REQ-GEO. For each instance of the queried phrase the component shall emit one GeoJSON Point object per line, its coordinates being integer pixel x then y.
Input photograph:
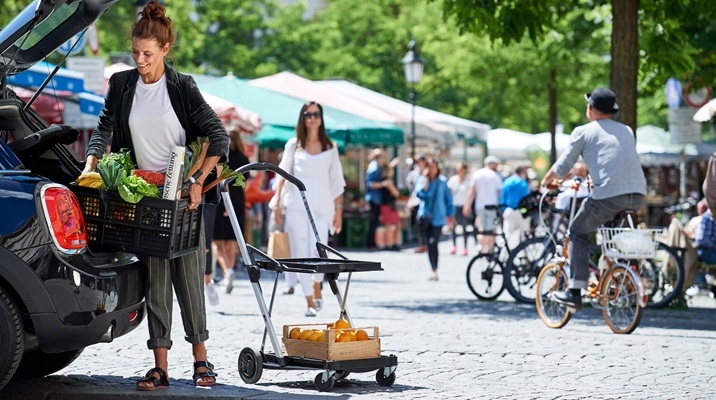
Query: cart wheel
{"type": "Point", "coordinates": [324, 386]}
{"type": "Point", "coordinates": [384, 380]}
{"type": "Point", "coordinates": [250, 365]}
{"type": "Point", "coordinates": [342, 375]}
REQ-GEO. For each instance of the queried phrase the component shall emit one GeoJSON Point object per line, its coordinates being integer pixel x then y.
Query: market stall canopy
{"type": "Point", "coordinates": [64, 80]}
{"type": "Point", "coordinates": [654, 147]}
{"type": "Point", "coordinates": [232, 116]}
{"type": "Point", "coordinates": [280, 112]}
{"type": "Point", "coordinates": [427, 133]}
{"type": "Point", "coordinates": [275, 137]}
{"type": "Point", "coordinates": [474, 132]}
{"type": "Point", "coordinates": [508, 144]}
{"type": "Point", "coordinates": [544, 141]}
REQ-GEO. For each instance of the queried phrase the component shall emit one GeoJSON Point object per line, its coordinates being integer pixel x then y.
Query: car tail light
{"type": "Point", "coordinates": [133, 315]}
{"type": "Point", "coordinates": [64, 215]}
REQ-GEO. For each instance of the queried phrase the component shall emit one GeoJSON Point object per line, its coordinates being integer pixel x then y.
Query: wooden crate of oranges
{"type": "Point", "coordinates": [326, 342]}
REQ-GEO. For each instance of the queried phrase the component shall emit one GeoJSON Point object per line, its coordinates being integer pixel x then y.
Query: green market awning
{"type": "Point", "coordinates": [279, 115]}
{"type": "Point", "coordinates": [275, 137]}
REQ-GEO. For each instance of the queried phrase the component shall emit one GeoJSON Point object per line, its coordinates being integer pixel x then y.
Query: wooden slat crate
{"type": "Point", "coordinates": [330, 350]}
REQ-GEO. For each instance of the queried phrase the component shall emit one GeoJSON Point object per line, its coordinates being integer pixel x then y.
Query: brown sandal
{"type": "Point", "coordinates": [199, 377]}
{"type": "Point", "coordinates": [161, 383]}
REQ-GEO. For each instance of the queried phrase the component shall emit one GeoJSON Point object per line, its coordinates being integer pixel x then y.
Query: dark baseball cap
{"type": "Point", "coordinates": [602, 100]}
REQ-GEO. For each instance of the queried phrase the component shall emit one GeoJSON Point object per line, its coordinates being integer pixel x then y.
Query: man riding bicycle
{"type": "Point", "coordinates": [609, 150]}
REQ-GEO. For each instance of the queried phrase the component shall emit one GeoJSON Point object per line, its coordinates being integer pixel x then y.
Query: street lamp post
{"type": "Point", "coordinates": [413, 66]}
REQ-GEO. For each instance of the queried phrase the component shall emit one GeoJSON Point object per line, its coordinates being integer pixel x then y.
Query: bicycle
{"type": "Point", "coordinates": [527, 259]}
{"type": "Point", "coordinates": [485, 272]}
{"type": "Point", "coordinates": [615, 287]}
{"type": "Point", "coordinates": [662, 275]}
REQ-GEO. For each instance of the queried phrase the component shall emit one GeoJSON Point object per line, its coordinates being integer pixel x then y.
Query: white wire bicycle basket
{"type": "Point", "coordinates": [628, 242]}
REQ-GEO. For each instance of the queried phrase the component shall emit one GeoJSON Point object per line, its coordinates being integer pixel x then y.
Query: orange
{"type": "Point", "coordinates": [306, 335]}
{"type": "Point", "coordinates": [361, 335]}
{"type": "Point", "coordinates": [343, 337]}
{"type": "Point", "coordinates": [315, 335]}
{"type": "Point", "coordinates": [352, 336]}
{"type": "Point", "coordinates": [342, 323]}
{"type": "Point", "coordinates": [322, 336]}
{"type": "Point", "coordinates": [295, 333]}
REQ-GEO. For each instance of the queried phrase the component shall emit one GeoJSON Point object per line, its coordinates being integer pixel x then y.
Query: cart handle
{"type": "Point", "coordinates": [323, 249]}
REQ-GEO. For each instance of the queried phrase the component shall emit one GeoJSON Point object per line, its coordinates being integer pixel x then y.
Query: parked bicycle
{"type": "Point", "coordinates": [529, 257]}
{"type": "Point", "coordinates": [485, 272]}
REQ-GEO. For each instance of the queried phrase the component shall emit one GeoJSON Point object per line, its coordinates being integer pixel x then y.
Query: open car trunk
{"type": "Point", "coordinates": [42, 149]}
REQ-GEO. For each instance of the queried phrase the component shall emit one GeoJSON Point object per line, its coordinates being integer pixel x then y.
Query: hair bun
{"type": "Point", "coordinates": [153, 10]}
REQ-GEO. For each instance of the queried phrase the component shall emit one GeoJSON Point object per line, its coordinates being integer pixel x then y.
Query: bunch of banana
{"type": "Point", "coordinates": [90, 179]}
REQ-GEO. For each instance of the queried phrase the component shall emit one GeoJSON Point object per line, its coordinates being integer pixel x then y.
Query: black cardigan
{"type": "Point", "coordinates": [195, 115]}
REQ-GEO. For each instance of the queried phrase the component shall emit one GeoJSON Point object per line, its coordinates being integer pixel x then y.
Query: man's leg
{"type": "Point", "coordinates": [590, 216]}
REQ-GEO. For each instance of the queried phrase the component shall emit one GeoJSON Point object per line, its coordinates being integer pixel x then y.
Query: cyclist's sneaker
{"type": "Point", "coordinates": [568, 298]}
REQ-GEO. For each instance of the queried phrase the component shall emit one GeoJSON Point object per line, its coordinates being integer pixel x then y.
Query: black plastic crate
{"type": "Point", "coordinates": [152, 227]}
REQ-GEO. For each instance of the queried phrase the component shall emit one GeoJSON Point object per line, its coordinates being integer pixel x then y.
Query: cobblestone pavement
{"type": "Point", "coordinates": [449, 346]}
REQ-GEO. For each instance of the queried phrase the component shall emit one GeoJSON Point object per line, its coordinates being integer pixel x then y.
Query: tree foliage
{"type": "Point", "coordinates": [485, 60]}
{"type": "Point", "coordinates": [676, 36]}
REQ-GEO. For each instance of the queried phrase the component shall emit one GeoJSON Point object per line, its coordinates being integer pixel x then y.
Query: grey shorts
{"type": "Point", "coordinates": [487, 220]}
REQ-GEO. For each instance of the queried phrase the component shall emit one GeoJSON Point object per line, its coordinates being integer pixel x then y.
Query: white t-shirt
{"type": "Point", "coordinates": [459, 189]}
{"type": "Point", "coordinates": [154, 125]}
{"type": "Point", "coordinates": [487, 184]}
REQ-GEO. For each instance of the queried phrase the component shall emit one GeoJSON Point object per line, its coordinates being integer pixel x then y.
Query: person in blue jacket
{"type": "Point", "coordinates": [436, 209]}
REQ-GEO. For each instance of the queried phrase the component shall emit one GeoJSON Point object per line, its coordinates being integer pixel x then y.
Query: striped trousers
{"type": "Point", "coordinates": [186, 275]}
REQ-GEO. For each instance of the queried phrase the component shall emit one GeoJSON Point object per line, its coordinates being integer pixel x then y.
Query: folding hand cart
{"type": "Point", "coordinates": [252, 361]}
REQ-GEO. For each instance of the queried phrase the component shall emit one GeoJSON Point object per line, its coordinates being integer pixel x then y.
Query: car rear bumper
{"type": "Point", "coordinates": [53, 336]}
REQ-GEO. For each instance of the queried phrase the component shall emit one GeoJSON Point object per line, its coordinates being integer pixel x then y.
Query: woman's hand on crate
{"type": "Point", "coordinates": [90, 164]}
{"type": "Point", "coordinates": [195, 195]}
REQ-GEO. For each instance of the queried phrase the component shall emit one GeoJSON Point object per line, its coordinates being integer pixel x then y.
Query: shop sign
{"type": "Point", "coordinates": [682, 127]}
{"type": "Point", "coordinates": [93, 70]}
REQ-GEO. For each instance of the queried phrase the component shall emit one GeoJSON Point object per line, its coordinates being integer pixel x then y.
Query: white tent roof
{"type": "Point", "coordinates": [297, 86]}
{"type": "Point", "coordinates": [654, 147]}
{"type": "Point", "coordinates": [402, 109]}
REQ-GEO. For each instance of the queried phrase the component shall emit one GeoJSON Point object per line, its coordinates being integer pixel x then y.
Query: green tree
{"type": "Point", "coordinates": [669, 42]}
{"type": "Point", "coordinates": [10, 8]}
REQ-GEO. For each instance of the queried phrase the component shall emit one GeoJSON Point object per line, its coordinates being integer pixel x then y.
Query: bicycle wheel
{"type": "Point", "coordinates": [663, 276]}
{"type": "Point", "coordinates": [620, 295]}
{"type": "Point", "coordinates": [551, 279]}
{"type": "Point", "coordinates": [485, 277]}
{"type": "Point", "coordinates": [524, 265]}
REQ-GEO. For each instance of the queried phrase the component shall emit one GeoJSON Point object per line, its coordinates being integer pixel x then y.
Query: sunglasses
{"type": "Point", "coordinates": [309, 115]}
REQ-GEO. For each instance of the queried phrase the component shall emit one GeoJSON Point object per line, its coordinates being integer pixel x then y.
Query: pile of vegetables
{"type": "Point", "coordinates": [118, 172]}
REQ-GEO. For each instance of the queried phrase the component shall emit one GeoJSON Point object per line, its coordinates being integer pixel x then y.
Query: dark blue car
{"type": "Point", "coordinates": [57, 296]}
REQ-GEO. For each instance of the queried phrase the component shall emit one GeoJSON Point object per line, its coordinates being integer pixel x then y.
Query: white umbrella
{"type": "Point", "coordinates": [706, 112]}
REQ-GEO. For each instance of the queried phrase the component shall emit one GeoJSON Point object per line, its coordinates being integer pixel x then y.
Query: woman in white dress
{"type": "Point", "coordinates": [312, 158]}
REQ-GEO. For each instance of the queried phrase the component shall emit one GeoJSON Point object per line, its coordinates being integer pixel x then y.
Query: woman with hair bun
{"type": "Point", "coordinates": [149, 110]}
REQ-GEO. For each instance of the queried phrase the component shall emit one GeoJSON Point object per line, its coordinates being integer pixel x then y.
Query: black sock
{"type": "Point", "coordinates": [575, 292]}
